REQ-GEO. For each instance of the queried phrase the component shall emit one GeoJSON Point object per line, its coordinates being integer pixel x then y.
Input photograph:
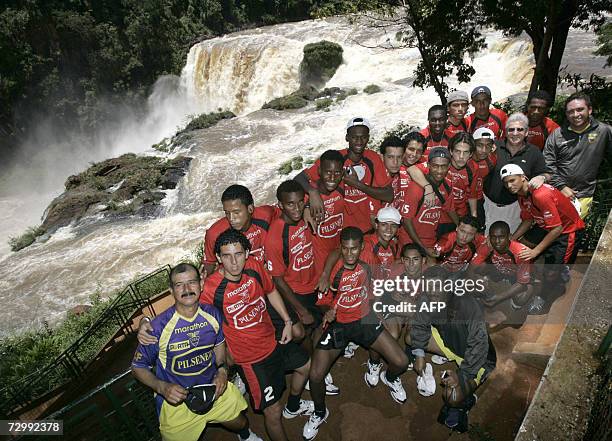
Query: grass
{"type": "Point", "coordinates": [26, 239]}
{"type": "Point", "coordinates": [295, 163]}
{"type": "Point", "coordinates": [372, 88]}
{"type": "Point", "coordinates": [324, 103]}
{"type": "Point", "coordinates": [206, 120]}
{"type": "Point", "coordinates": [292, 101]}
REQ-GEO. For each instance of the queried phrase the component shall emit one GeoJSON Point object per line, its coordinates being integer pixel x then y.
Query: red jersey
{"type": "Point", "coordinates": [431, 142]}
{"type": "Point", "coordinates": [537, 135]}
{"type": "Point", "coordinates": [451, 129]}
{"type": "Point", "coordinates": [464, 183]}
{"type": "Point", "coordinates": [327, 237]}
{"type": "Point", "coordinates": [455, 257]}
{"type": "Point", "coordinates": [247, 325]}
{"type": "Point", "coordinates": [289, 253]}
{"type": "Point", "coordinates": [426, 219]}
{"type": "Point", "coordinates": [260, 224]}
{"type": "Point", "coordinates": [385, 255]}
{"type": "Point", "coordinates": [350, 289]}
{"type": "Point", "coordinates": [549, 208]}
{"type": "Point", "coordinates": [371, 171]}
{"type": "Point", "coordinates": [482, 169]}
{"type": "Point", "coordinates": [496, 122]}
{"type": "Point", "coordinates": [508, 263]}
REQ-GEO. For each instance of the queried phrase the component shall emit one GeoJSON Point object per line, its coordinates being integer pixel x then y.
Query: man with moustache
{"type": "Point", "coordinates": [189, 350]}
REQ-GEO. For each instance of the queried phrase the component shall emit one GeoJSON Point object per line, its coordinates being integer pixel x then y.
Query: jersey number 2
{"type": "Point", "coordinates": [268, 393]}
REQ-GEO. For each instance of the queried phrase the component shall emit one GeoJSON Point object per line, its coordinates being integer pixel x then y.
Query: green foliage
{"type": "Point", "coordinates": [292, 101]}
{"type": "Point", "coordinates": [372, 88]}
{"type": "Point", "coordinates": [206, 120]}
{"type": "Point", "coordinates": [295, 163]}
{"type": "Point", "coordinates": [324, 103]}
{"type": "Point", "coordinates": [604, 40]}
{"type": "Point", "coordinates": [320, 62]}
{"type": "Point", "coordinates": [26, 239]}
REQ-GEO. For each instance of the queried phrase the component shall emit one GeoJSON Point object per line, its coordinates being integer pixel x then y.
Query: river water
{"type": "Point", "coordinates": [239, 72]}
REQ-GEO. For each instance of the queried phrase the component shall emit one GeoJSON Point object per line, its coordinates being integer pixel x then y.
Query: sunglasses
{"type": "Point", "coordinates": [515, 129]}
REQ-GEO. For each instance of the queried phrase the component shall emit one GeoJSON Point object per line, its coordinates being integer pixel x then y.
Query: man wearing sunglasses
{"type": "Point", "coordinates": [500, 204]}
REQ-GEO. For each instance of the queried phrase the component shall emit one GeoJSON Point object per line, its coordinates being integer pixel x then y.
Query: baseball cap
{"type": "Point", "coordinates": [481, 89]}
{"type": "Point", "coordinates": [438, 152]}
{"type": "Point", "coordinates": [457, 95]}
{"type": "Point", "coordinates": [200, 398]}
{"type": "Point", "coordinates": [389, 214]}
{"type": "Point", "coordinates": [484, 133]}
{"type": "Point", "coordinates": [358, 121]}
{"type": "Point", "coordinates": [511, 170]}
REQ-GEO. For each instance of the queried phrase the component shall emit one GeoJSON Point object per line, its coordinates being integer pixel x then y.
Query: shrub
{"type": "Point", "coordinates": [320, 62]}
{"type": "Point", "coordinates": [292, 101]}
{"type": "Point", "coordinates": [324, 103]}
{"type": "Point", "coordinates": [295, 163]}
{"type": "Point", "coordinates": [206, 120]}
{"type": "Point", "coordinates": [26, 239]}
{"type": "Point", "coordinates": [372, 88]}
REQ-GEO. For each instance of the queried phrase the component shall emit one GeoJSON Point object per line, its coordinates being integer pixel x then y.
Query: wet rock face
{"type": "Point", "coordinates": [118, 187]}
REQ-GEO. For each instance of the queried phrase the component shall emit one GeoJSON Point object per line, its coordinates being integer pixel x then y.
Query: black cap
{"type": "Point", "coordinates": [438, 152]}
{"type": "Point", "coordinates": [200, 398]}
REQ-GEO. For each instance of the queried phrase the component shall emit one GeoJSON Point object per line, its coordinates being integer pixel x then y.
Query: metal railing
{"type": "Point", "coordinates": [600, 421]}
{"type": "Point", "coordinates": [71, 364]}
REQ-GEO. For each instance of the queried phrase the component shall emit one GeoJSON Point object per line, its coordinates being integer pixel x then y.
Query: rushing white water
{"type": "Point", "coordinates": [238, 72]}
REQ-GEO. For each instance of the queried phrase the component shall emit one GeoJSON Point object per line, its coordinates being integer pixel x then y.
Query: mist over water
{"type": "Point", "coordinates": [238, 72]}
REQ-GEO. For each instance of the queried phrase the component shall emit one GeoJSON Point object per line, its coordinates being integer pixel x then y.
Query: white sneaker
{"type": "Point", "coordinates": [330, 387]}
{"type": "Point", "coordinates": [372, 375]}
{"type": "Point", "coordinates": [397, 390]}
{"type": "Point", "coordinates": [239, 384]}
{"type": "Point", "coordinates": [438, 359]}
{"type": "Point", "coordinates": [349, 351]}
{"type": "Point", "coordinates": [252, 437]}
{"type": "Point", "coordinates": [306, 408]}
{"type": "Point", "coordinates": [311, 428]}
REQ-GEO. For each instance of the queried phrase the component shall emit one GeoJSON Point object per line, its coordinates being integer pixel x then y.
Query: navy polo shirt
{"type": "Point", "coordinates": [529, 158]}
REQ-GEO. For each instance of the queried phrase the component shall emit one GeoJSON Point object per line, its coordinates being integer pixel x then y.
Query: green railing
{"type": "Point", "coordinates": [120, 410]}
{"type": "Point", "coordinates": [71, 364]}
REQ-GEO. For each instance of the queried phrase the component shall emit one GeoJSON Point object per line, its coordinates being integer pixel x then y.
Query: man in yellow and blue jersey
{"type": "Point", "coordinates": [190, 351]}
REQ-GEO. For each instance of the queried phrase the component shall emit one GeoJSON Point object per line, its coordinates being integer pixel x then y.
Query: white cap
{"type": "Point", "coordinates": [484, 133]}
{"type": "Point", "coordinates": [389, 214]}
{"type": "Point", "coordinates": [511, 170]}
{"type": "Point", "coordinates": [358, 121]}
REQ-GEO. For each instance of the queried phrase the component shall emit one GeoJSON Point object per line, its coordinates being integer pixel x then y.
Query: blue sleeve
{"type": "Point", "coordinates": [146, 355]}
{"type": "Point", "coordinates": [220, 336]}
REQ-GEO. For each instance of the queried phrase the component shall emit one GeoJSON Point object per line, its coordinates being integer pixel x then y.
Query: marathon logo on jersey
{"type": "Point", "coordinates": [242, 290]}
{"type": "Point", "coordinates": [190, 328]}
{"type": "Point", "coordinates": [502, 263]}
{"type": "Point", "coordinates": [250, 315]}
{"type": "Point", "coordinates": [352, 298]}
{"type": "Point", "coordinates": [351, 278]}
{"type": "Point", "coordinates": [193, 362]}
{"type": "Point", "coordinates": [430, 216]}
{"type": "Point", "coordinates": [304, 256]}
{"type": "Point", "coordinates": [331, 226]}
{"type": "Point", "coordinates": [299, 233]}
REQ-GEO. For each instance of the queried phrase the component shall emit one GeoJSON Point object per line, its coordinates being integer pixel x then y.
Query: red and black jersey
{"type": "Point", "coordinates": [537, 135]}
{"type": "Point", "coordinates": [385, 255]}
{"type": "Point", "coordinates": [455, 257]}
{"type": "Point", "coordinates": [482, 169]}
{"type": "Point", "coordinates": [464, 183]}
{"type": "Point", "coordinates": [399, 183]}
{"type": "Point", "coordinates": [426, 219]}
{"type": "Point", "coordinates": [508, 263]}
{"type": "Point", "coordinates": [496, 121]}
{"type": "Point", "coordinates": [256, 233]}
{"type": "Point", "coordinates": [350, 289]}
{"type": "Point", "coordinates": [247, 325]}
{"type": "Point", "coordinates": [327, 237]}
{"type": "Point", "coordinates": [451, 129]}
{"type": "Point", "coordinates": [431, 142]}
{"type": "Point", "coordinates": [289, 253]}
{"type": "Point", "coordinates": [371, 171]}
{"type": "Point", "coordinates": [549, 208]}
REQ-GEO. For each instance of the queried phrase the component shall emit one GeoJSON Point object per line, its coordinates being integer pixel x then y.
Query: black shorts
{"type": "Point", "coordinates": [337, 335]}
{"type": "Point", "coordinates": [564, 248]}
{"type": "Point", "coordinates": [308, 301]}
{"type": "Point", "coordinates": [480, 215]}
{"type": "Point", "coordinates": [444, 229]}
{"type": "Point", "coordinates": [266, 378]}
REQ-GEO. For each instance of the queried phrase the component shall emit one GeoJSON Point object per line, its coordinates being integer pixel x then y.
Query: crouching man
{"type": "Point", "coordinates": [459, 333]}
{"type": "Point", "coordinates": [190, 351]}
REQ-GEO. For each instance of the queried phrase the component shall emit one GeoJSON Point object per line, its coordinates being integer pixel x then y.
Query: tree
{"type": "Point", "coordinates": [443, 31]}
{"type": "Point", "coordinates": [604, 39]}
{"type": "Point", "coordinates": [547, 22]}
